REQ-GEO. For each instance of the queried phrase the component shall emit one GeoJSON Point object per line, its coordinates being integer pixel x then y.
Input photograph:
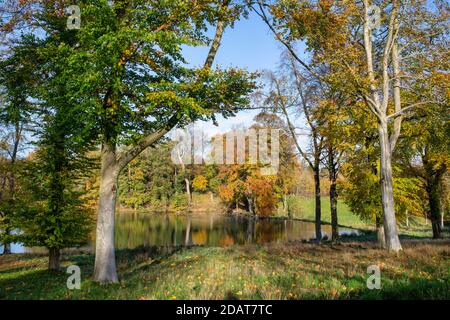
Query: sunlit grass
{"type": "Point", "coordinates": [294, 271]}
{"type": "Point", "coordinates": [304, 208]}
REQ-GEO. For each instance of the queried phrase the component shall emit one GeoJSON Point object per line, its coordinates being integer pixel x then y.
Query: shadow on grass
{"type": "Point", "coordinates": [411, 288]}
{"type": "Point", "coordinates": [33, 284]}
{"type": "Point", "coordinates": [34, 281]}
{"type": "Point", "coordinates": [371, 236]}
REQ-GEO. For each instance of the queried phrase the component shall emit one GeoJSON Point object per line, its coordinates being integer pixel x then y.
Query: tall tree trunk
{"type": "Point", "coordinates": [7, 232]}
{"type": "Point", "coordinates": [105, 264]}
{"type": "Point", "coordinates": [380, 233]}
{"type": "Point", "coordinates": [387, 193]}
{"type": "Point", "coordinates": [54, 259]}
{"type": "Point", "coordinates": [7, 245]}
{"type": "Point", "coordinates": [333, 193]}
{"type": "Point", "coordinates": [433, 179]}
{"type": "Point", "coordinates": [105, 261]}
{"type": "Point", "coordinates": [334, 215]}
{"type": "Point", "coordinates": [435, 208]}
{"type": "Point", "coordinates": [318, 204]}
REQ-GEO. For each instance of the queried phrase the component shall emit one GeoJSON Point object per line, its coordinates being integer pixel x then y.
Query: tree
{"type": "Point", "coordinates": [248, 182]}
{"type": "Point", "coordinates": [129, 73]}
{"type": "Point", "coordinates": [425, 156]}
{"type": "Point", "coordinates": [200, 183]}
{"type": "Point", "coordinates": [289, 167]}
{"type": "Point", "coordinates": [331, 114]}
{"type": "Point", "coordinates": [261, 189]}
{"type": "Point", "coordinates": [52, 215]}
{"type": "Point", "coordinates": [366, 61]}
{"type": "Point", "coordinates": [360, 188]}
{"type": "Point", "coordinates": [244, 183]}
{"type": "Point", "coordinates": [16, 76]}
{"type": "Point", "coordinates": [132, 191]}
{"type": "Point", "coordinates": [293, 94]}
{"type": "Point", "coordinates": [151, 179]}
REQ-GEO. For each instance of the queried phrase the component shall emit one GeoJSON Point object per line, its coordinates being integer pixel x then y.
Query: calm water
{"type": "Point", "coordinates": [145, 230]}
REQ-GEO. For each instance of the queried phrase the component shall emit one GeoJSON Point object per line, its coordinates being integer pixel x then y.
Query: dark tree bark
{"type": "Point", "coordinates": [434, 202]}
{"type": "Point", "coordinates": [7, 245]}
{"type": "Point", "coordinates": [250, 230]}
{"type": "Point", "coordinates": [332, 174]}
{"type": "Point", "coordinates": [318, 210]}
{"type": "Point", "coordinates": [334, 214]}
{"type": "Point", "coordinates": [435, 210]}
{"type": "Point", "coordinates": [54, 259]}
{"type": "Point", "coordinates": [433, 175]}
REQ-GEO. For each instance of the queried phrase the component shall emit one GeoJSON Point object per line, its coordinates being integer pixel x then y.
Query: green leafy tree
{"type": "Point", "coordinates": [425, 155]}
{"type": "Point", "coordinates": [17, 77]}
{"type": "Point", "coordinates": [128, 72]}
{"type": "Point", "coordinates": [54, 217]}
{"type": "Point", "coordinates": [369, 61]}
{"type": "Point", "coordinates": [150, 180]}
{"type": "Point", "coordinates": [125, 71]}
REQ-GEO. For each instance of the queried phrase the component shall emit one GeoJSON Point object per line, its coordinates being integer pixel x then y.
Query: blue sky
{"type": "Point", "coordinates": [249, 45]}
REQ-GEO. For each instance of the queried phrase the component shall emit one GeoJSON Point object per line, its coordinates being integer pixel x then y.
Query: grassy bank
{"type": "Point", "coordinates": [293, 271]}
{"type": "Point", "coordinates": [304, 208]}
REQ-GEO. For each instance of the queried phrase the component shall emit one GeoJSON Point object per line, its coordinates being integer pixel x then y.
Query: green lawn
{"type": "Point", "coordinates": [304, 208]}
{"type": "Point", "coordinates": [293, 271]}
{"type": "Point", "coordinates": [274, 271]}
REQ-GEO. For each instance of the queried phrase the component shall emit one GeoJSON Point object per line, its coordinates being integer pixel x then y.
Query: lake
{"type": "Point", "coordinates": [134, 230]}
